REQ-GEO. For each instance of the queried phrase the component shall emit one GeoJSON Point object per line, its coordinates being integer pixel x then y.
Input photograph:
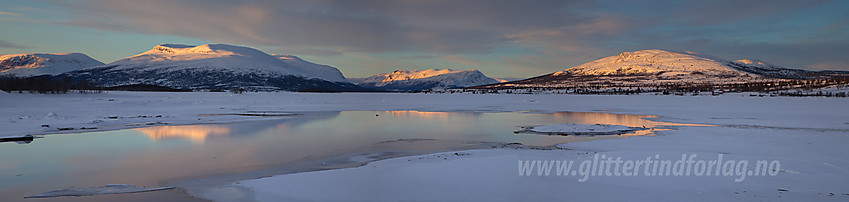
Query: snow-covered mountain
{"type": "Point", "coordinates": [656, 62]}
{"type": "Point", "coordinates": [415, 80]}
{"type": "Point", "coordinates": [308, 68]}
{"type": "Point", "coordinates": [35, 64]}
{"type": "Point", "coordinates": [686, 65]}
{"type": "Point", "coordinates": [769, 70]}
{"type": "Point", "coordinates": [659, 68]}
{"type": "Point", "coordinates": [216, 66]}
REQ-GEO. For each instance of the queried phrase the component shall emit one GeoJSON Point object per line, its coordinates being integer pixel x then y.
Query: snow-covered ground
{"type": "Point", "coordinates": [811, 170]}
{"type": "Point", "coordinates": [806, 135]}
{"type": "Point", "coordinates": [811, 158]}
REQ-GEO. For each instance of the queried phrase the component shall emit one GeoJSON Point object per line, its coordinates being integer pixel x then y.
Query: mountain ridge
{"type": "Point", "coordinates": [36, 64]}
{"type": "Point", "coordinates": [224, 57]}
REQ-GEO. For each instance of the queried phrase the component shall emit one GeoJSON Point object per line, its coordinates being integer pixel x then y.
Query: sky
{"type": "Point", "coordinates": [512, 39]}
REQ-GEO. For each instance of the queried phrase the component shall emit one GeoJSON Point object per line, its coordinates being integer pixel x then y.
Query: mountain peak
{"type": "Point", "coordinates": [398, 75]}
{"type": "Point", "coordinates": [206, 49]}
{"type": "Point", "coordinates": [171, 45]}
{"type": "Point", "coordinates": [413, 80]}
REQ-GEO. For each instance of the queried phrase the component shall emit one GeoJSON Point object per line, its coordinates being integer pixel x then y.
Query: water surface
{"type": "Point", "coordinates": [152, 156]}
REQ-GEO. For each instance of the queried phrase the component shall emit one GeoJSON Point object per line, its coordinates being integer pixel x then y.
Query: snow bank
{"type": "Point", "coordinates": [578, 129]}
{"type": "Point", "coordinates": [91, 191]}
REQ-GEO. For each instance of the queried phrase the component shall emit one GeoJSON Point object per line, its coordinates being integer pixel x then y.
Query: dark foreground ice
{"type": "Point", "coordinates": [91, 191]}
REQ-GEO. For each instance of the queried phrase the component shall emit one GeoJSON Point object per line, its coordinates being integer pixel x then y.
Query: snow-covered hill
{"type": "Point", "coordinates": [216, 66]}
{"type": "Point", "coordinates": [687, 64]}
{"type": "Point", "coordinates": [657, 62]}
{"type": "Point", "coordinates": [659, 69]}
{"type": "Point", "coordinates": [415, 80]}
{"type": "Point", "coordinates": [35, 64]}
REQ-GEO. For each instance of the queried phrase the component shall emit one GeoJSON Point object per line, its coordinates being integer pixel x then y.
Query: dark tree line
{"type": "Point", "coordinates": [45, 84]}
{"type": "Point", "coordinates": [613, 88]}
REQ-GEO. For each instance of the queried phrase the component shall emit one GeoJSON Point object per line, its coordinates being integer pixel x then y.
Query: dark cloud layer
{"type": "Point", "coordinates": [558, 33]}
{"type": "Point", "coordinates": [366, 26]}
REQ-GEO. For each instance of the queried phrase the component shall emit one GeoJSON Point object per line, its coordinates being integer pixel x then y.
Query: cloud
{"type": "Point", "coordinates": [835, 26]}
{"type": "Point", "coordinates": [8, 45]}
{"type": "Point", "coordinates": [459, 59]}
{"type": "Point", "coordinates": [309, 51]}
{"type": "Point", "coordinates": [719, 11]}
{"type": "Point", "coordinates": [29, 9]}
{"type": "Point", "coordinates": [830, 65]}
{"type": "Point", "coordinates": [10, 13]}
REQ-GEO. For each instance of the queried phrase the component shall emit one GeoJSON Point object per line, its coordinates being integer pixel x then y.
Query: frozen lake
{"type": "Point", "coordinates": [156, 155]}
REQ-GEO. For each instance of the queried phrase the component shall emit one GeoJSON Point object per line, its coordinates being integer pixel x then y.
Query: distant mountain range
{"type": "Point", "coordinates": [417, 80]}
{"type": "Point", "coordinates": [222, 66]}
{"type": "Point", "coordinates": [660, 69]}
{"type": "Point", "coordinates": [35, 64]}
